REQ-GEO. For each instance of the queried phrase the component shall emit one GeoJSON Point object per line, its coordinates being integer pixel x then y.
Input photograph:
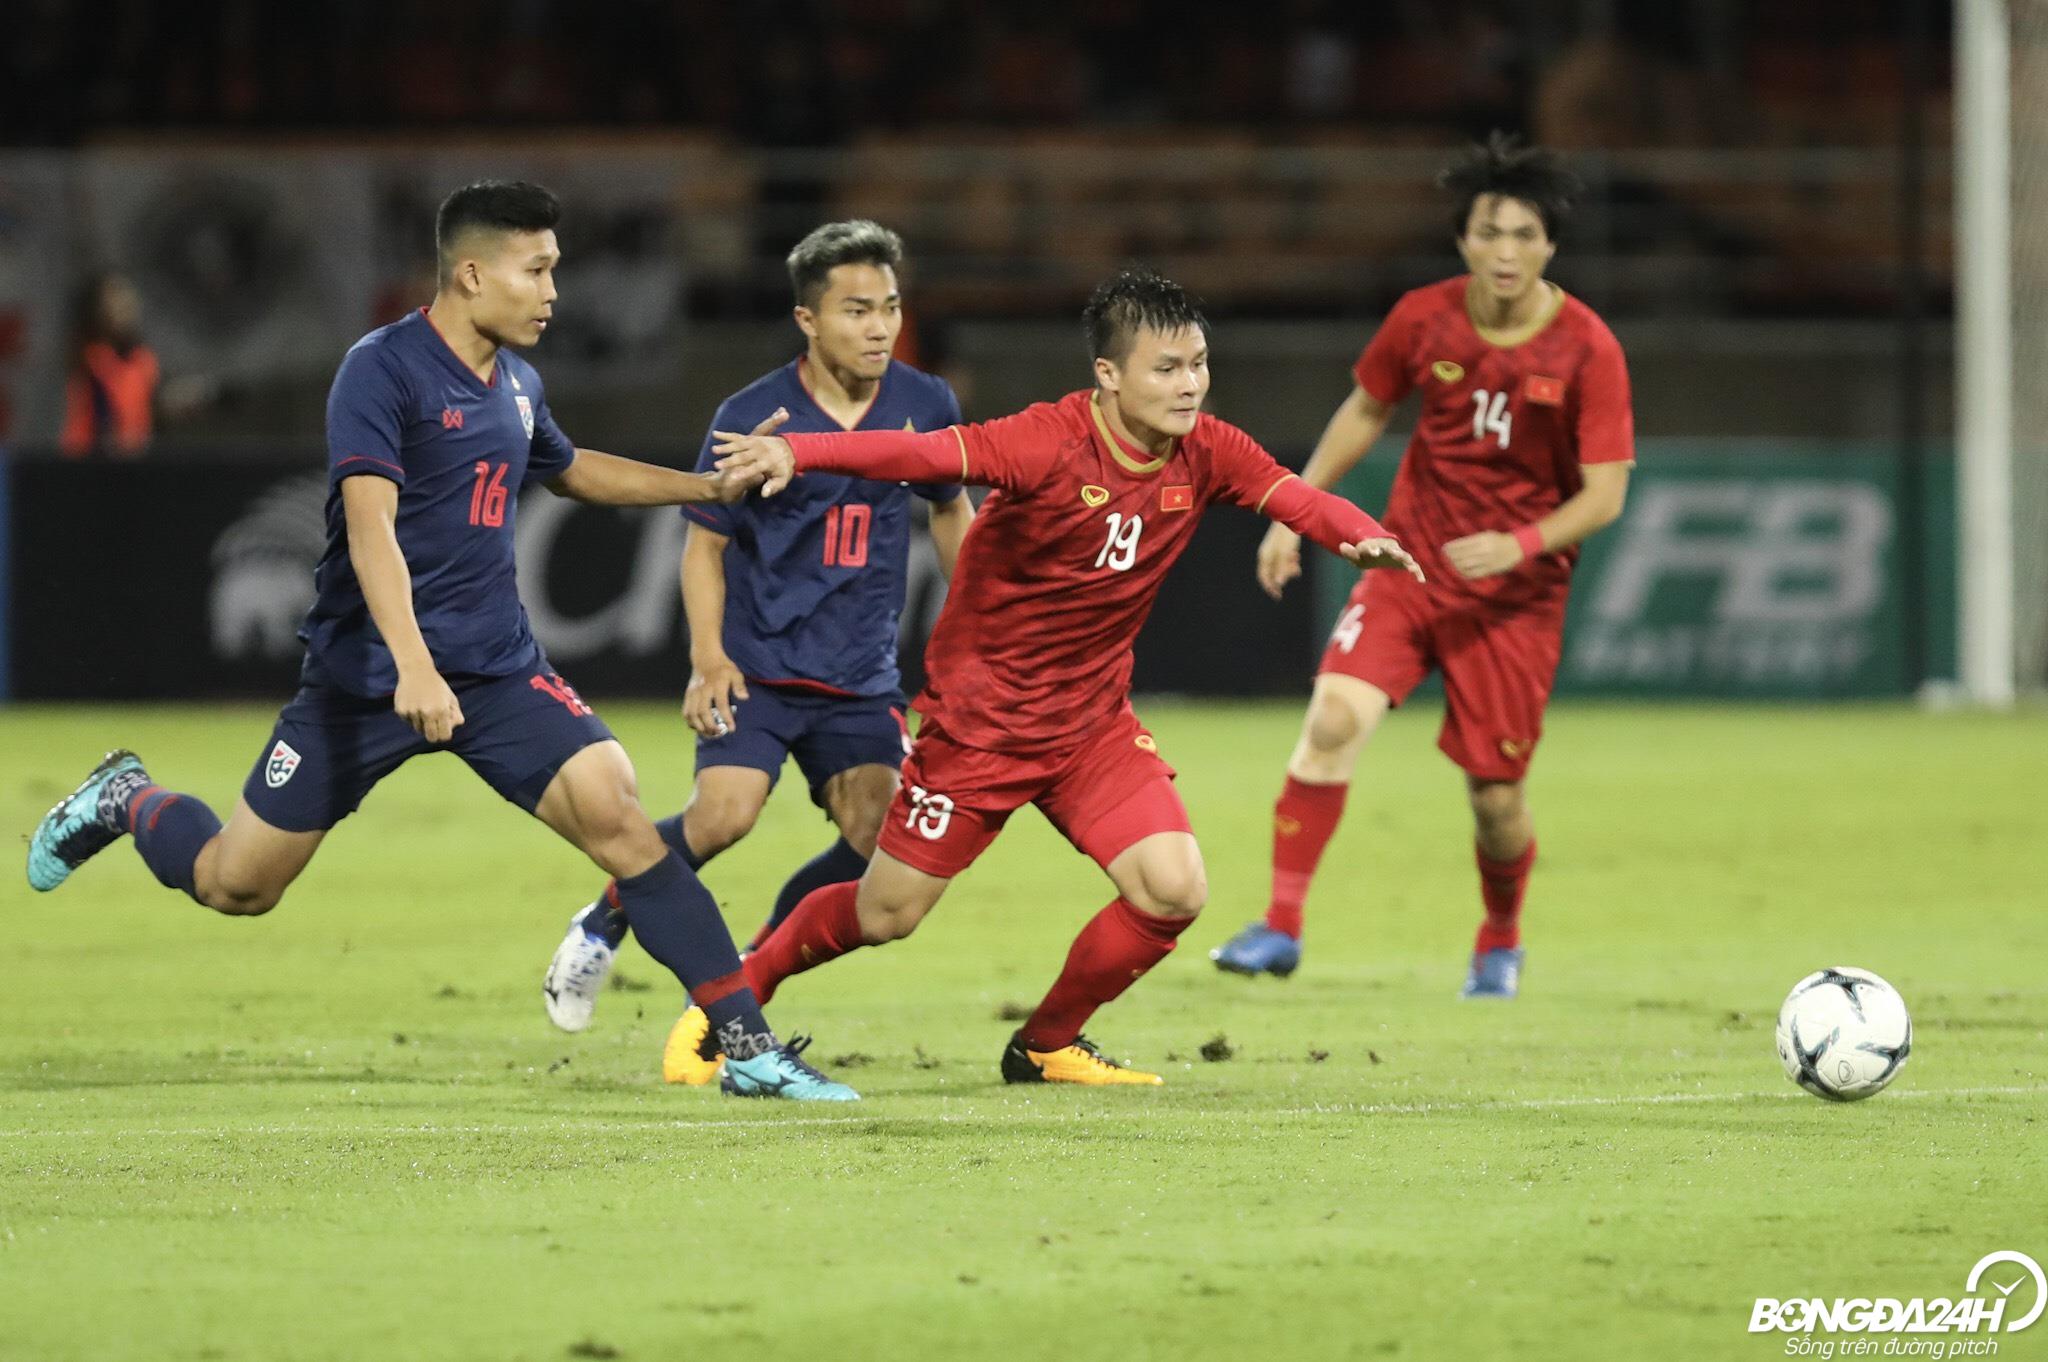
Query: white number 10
{"type": "Point", "coordinates": [1121, 550]}
{"type": "Point", "coordinates": [1490, 415]}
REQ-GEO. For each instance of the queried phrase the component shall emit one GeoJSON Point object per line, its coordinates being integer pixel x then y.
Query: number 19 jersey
{"type": "Point", "coordinates": [1064, 561]}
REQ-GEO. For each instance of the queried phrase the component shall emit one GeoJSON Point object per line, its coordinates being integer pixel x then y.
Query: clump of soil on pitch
{"type": "Point", "coordinates": [1012, 1012]}
{"type": "Point", "coordinates": [621, 982]}
{"type": "Point", "coordinates": [1218, 1048]}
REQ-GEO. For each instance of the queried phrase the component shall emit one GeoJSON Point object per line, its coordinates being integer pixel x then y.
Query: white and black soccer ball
{"type": "Point", "coordinates": [1843, 1034]}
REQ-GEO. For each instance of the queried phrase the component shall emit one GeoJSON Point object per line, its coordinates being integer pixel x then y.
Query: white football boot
{"type": "Point", "coordinates": [576, 976]}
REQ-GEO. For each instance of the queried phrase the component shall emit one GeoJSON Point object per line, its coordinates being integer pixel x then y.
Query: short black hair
{"type": "Point", "coordinates": [1131, 301]}
{"type": "Point", "coordinates": [858, 242]}
{"type": "Point", "coordinates": [492, 206]}
{"type": "Point", "coordinates": [1502, 165]}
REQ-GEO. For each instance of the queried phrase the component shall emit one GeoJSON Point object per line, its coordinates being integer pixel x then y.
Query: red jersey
{"type": "Point", "coordinates": [1067, 555]}
{"type": "Point", "coordinates": [1503, 430]}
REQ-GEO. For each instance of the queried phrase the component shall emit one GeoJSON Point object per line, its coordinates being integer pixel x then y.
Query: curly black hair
{"type": "Point", "coordinates": [1502, 165]}
{"type": "Point", "coordinates": [1133, 300]}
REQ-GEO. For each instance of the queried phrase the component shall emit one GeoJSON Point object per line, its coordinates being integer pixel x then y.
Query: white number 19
{"type": "Point", "coordinates": [1121, 549]}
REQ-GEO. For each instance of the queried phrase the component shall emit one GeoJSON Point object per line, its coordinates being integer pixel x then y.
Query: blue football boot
{"type": "Point", "coordinates": [1495, 974]}
{"type": "Point", "coordinates": [783, 1073]}
{"type": "Point", "coordinates": [86, 821]}
{"type": "Point", "coordinates": [1258, 949]}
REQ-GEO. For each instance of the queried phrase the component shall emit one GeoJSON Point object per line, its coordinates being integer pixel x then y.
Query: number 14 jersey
{"type": "Point", "coordinates": [1503, 430]}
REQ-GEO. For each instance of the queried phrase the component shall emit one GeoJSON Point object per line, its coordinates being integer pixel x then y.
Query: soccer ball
{"type": "Point", "coordinates": [1843, 1034]}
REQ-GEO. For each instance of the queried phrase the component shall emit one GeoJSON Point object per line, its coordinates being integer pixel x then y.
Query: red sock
{"type": "Point", "coordinates": [1118, 944]}
{"type": "Point", "coordinates": [1303, 820]}
{"type": "Point", "coordinates": [823, 927]}
{"type": "Point", "coordinates": [1502, 884]}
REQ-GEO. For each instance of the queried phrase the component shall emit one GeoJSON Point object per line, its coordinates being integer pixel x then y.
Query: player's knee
{"type": "Point", "coordinates": [862, 828]}
{"type": "Point", "coordinates": [883, 922]}
{"type": "Point", "coordinates": [620, 838]}
{"type": "Point", "coordinates": [1333, 725]}
{"type": "Point", "coordinates": [1496, 803]}
{"type": "Point", "coordinates": [716, 824]}
{"type": "Point", "coordinates": [244, 900]}
{"type": "Point", "coordinates": [1178, 889]}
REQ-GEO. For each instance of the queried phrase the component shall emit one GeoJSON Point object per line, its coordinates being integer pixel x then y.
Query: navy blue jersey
{"type": "Point", "coordinates": [814, 576]}
{"type": "Point", "coordinates": [404, 407]}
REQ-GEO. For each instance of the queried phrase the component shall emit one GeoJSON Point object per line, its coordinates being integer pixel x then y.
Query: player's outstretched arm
{"type": "Point", "coordinates": [369, 505]}
{"type": "Point", "coordinates": [608, 480]}
{"type": "Point", "coordinates": [884, 455]}
{"type": "Point", "coordinates": [1592, 508]}
{"type": "Point", "coordinates": [1249, 477]}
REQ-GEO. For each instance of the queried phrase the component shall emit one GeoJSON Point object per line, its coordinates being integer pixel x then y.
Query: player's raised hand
{"type": "Point", "coordinates": [425, 701]}
{"type": "Point", "coordinates": [767, 458]}
{"type": "Point", "coordinates": [707, 700]}
{"type": "Point", "coordinates": [1486, 554]}
{"type": "Point", "coordinates": [1381, 553]}
{"type": "Point", "coordinates": [1279, 559]}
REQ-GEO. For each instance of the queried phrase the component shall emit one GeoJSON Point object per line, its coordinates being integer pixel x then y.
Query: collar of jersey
{"type": "Point", "coordinates": [448, 352]}
{"type": "Point", "coordinates": [1131, 460]}
{"type": "Point", "coordinates": [803, 381]}
{"type": "Point", "coordinates": [1532, 329]}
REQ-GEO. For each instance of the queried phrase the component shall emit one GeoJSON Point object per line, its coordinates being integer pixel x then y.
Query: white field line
{"type": "Point", "coordinates": [768, 1122]}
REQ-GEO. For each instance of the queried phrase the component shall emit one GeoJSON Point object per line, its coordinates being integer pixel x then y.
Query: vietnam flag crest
{"type": "Point", "coordinates": [1544, 392]}
{"type": "Point", "coordinates": [1181, 498]}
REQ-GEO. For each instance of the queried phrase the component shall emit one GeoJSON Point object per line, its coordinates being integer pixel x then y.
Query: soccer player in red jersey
{"type": "Point", "coordinates": [1030, 665]}
{"type": "Point", "coordinates": [1522, 450]}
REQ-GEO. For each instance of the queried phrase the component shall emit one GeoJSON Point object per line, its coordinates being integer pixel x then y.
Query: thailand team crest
{"type": "Point", "coordinates": [525, 413]}
{"type": "Point", "coordinates": [279, 765]}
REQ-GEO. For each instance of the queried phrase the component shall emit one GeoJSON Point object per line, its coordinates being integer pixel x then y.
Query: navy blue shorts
{"type": "Point", "coordinates": [330, 747]}
{"type": "Point", "coordinates": [826, 734]}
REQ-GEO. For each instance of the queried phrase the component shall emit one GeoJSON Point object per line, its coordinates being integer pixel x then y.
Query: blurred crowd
{"type": "Point", "coordinates": [816, 72]}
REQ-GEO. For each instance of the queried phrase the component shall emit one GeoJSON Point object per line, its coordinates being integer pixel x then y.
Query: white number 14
{"type": "Point", "coordinates": [1490, 415]}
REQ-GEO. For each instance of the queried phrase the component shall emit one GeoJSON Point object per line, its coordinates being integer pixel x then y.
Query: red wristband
{"type": "Point", "coordinates": [1531, 540]}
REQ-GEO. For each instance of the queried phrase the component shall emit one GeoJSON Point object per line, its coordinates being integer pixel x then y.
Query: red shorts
{"type": "Point", "coordinates": [1498, 663]}
{"type": "Point", "coordinates": [1104, 792]}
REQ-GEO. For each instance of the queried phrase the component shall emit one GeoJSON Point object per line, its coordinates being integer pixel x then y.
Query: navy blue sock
{"type": "Point", "coordinates": [605, 919]}
{"type": "Point", "coordinates": [836, 864]}
{"type": "Point", "coordinates": [169, 829]}
{"type": "Point", "coordinates": [677, 922]}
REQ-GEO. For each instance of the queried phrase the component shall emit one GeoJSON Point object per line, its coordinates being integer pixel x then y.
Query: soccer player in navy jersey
{"type": "Point", "coordinates": [417, 642]}
{"type": "Point", "coordinates": [793, 603]}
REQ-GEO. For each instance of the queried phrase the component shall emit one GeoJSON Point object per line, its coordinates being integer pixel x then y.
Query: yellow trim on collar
{"type": "Point", "coordinates": [1116, 449]}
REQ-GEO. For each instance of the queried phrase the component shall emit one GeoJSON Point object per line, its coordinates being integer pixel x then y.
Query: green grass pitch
{"type": "Point", "coordinates": [346, 1130]}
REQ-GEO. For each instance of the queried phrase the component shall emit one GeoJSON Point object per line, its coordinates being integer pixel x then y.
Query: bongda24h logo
{"type": "Point", "coordinates": [1994, 1300]}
